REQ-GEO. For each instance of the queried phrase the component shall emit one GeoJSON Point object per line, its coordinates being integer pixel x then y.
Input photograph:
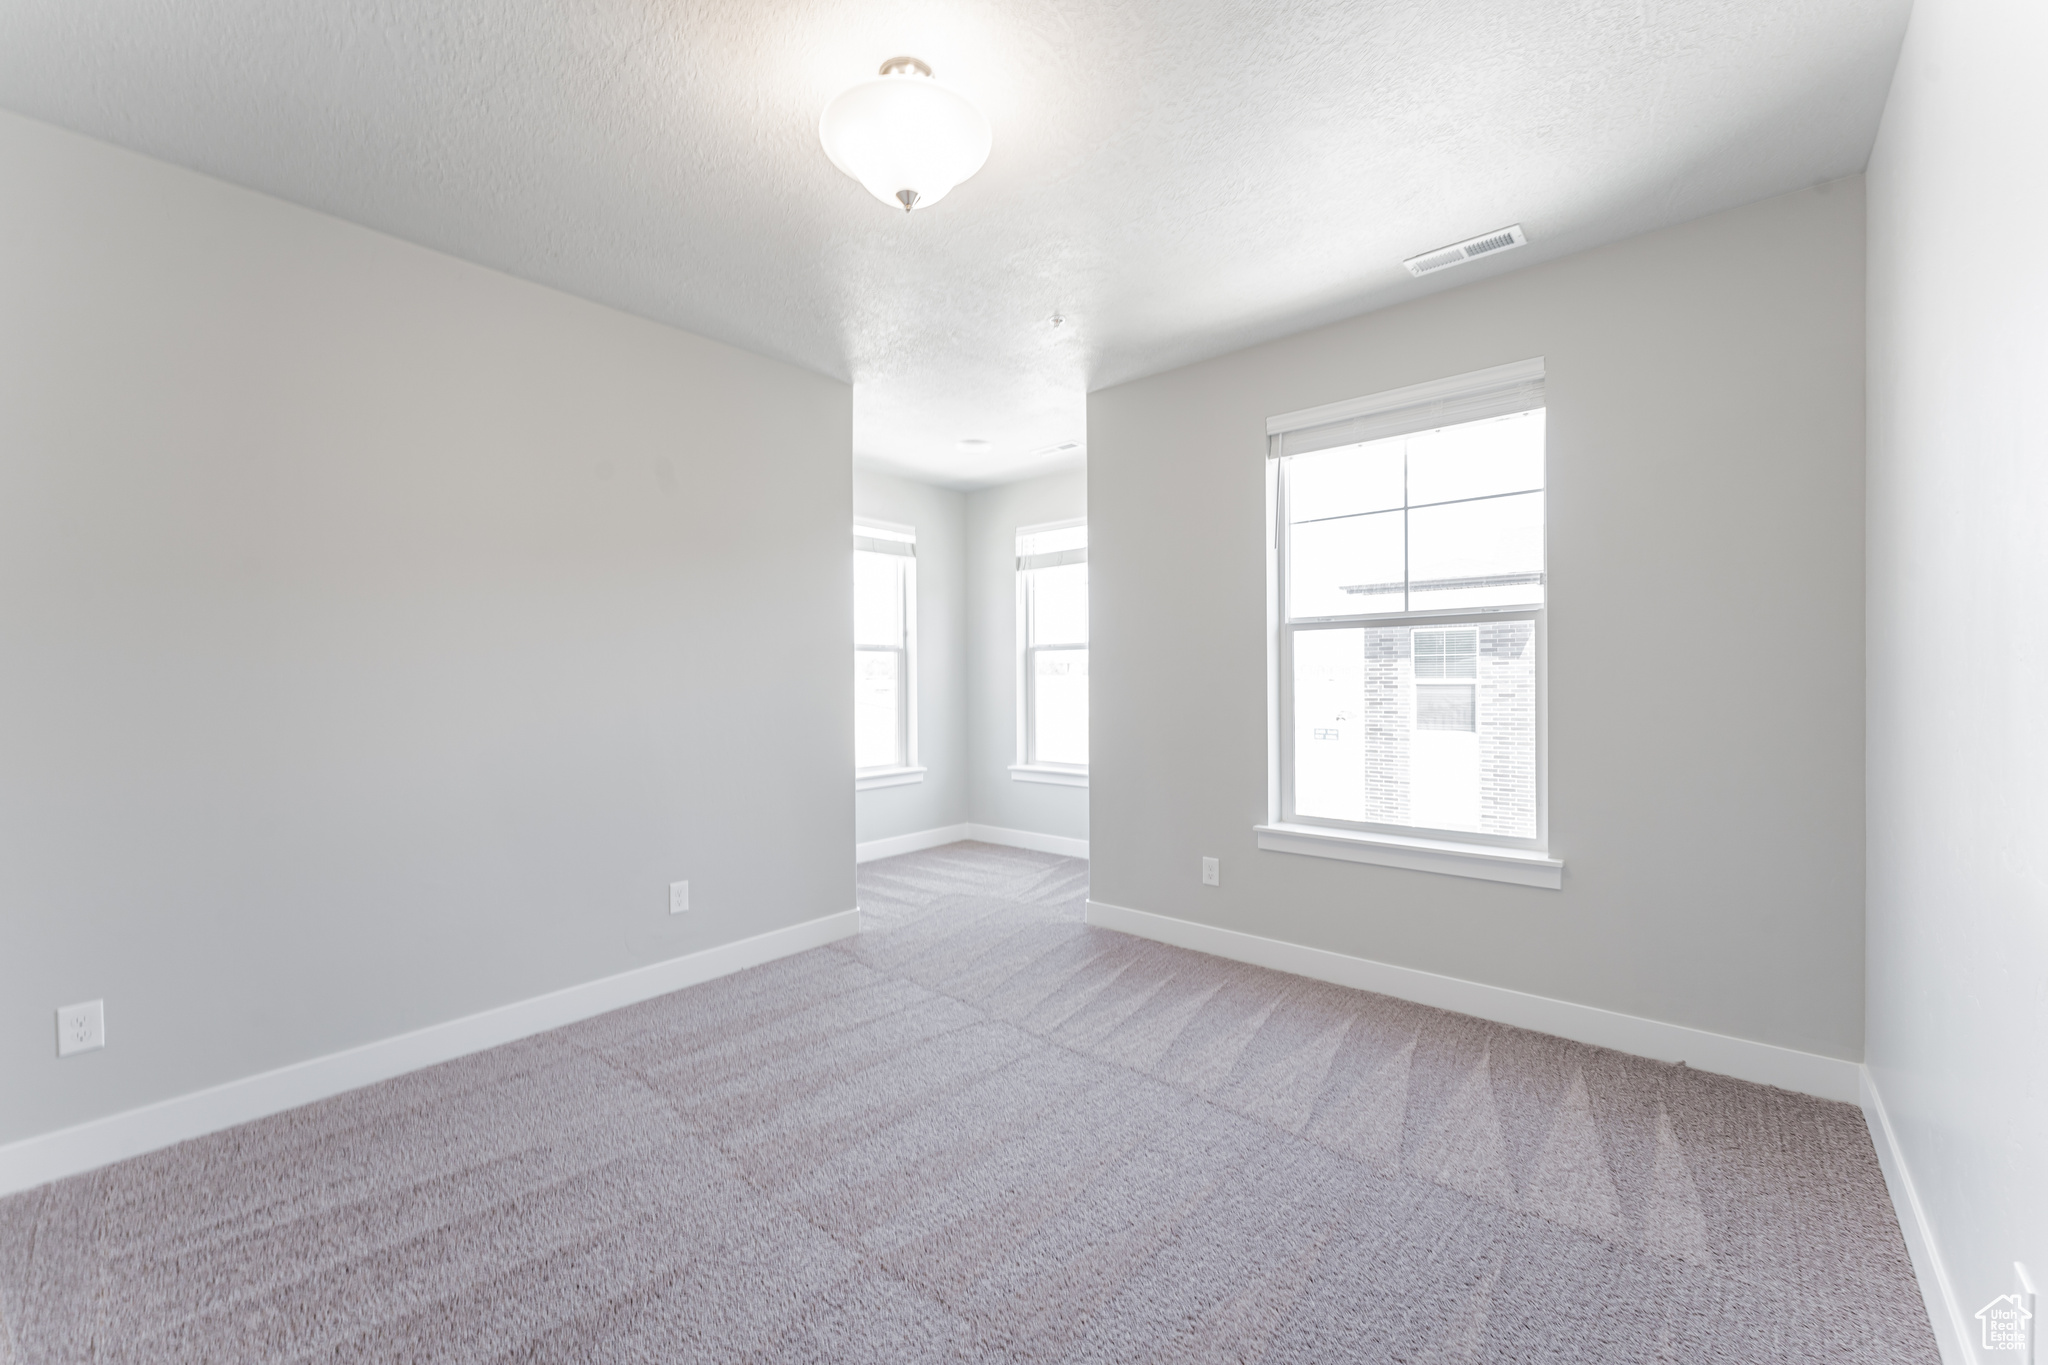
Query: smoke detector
{"type": "Point", "coordinates": [1485, 244]}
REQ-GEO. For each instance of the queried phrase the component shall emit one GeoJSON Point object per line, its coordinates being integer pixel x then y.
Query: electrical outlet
{"type": "Point", "coordinates": [81, 1028]}
{"type": "Point", "coordinates": [1212, 872]}
{"type": "Point", "coordinates": [678, 897]}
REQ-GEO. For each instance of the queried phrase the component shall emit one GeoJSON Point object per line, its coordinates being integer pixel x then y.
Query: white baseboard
{"type": "Point", "coordinates": [1031, 839]}
{"type": "Point", "coordinates": [909, 843]}
{"type": "Point", "coordinates": [953, 834]}
{"type": "Point", "coordinates": [1830, 1078]}
{"type": "Point", "coordinates": [52, 1156]}
{"type": "Point", "coordinates": [1944, 1313]}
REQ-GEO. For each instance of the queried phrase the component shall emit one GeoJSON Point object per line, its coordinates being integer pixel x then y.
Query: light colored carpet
{"type": "Point", "coordinates": [984, 1131]}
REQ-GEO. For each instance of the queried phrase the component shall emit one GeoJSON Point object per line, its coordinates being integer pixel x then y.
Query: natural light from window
{"type": "Point", "coordinates": [1052, 578]}
{"type": "Point", "coordinates": [884, 612]}
{"type": "Point", "coordinates": [1414, 583]}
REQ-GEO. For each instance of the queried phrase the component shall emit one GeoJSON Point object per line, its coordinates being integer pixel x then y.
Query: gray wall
{"type": "Point", "coordinates": [382, 634]}
{"type": "Point", "coordinates": [1958, 569]}
{"type": "Point", "coordinates": [939, 514]}
{"type": "Point", "coordinates": [1706, 632]}
{"type": "Point", "coordinates": [993, 796]}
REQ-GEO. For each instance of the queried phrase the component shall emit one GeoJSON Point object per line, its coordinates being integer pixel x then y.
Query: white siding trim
{"type": "Point", "coordinates": [69, 1151]}
{"type": "Point", "coordinates": [1831, 1078]}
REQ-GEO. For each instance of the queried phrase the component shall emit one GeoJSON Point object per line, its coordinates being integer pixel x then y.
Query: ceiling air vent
{"type": "Point", "coordinates": [1483, 245]}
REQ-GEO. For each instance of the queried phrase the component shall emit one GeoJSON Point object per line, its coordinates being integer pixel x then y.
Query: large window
{"type": "Point", "coordinates": [884, 655]}
{"type": "Point", "coordinates": [1409, 602]}
{"type": "Point", "coordinates": [1052, 656]}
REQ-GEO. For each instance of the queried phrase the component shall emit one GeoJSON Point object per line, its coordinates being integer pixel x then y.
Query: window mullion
{"type": "Point", "coordinates": [1030, 703]}
{"type": "Point", "coordinates": [904, 607]}
{"type": "Point", "coordinates": [902, 707]}
{"type": "Point", "coordinates": [1287, 744]}
{"type": "Point", "coordinates": [1283, 549]}
{"type": "Point", "coordinates": [1029, 683]}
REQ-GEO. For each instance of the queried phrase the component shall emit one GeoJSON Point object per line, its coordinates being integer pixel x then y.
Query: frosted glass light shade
{"type": "Point", "coordinates": [904, 136]}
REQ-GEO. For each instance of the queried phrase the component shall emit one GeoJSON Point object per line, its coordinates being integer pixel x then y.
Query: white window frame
{"type": "Point", "coordinates": [1027, 768]}
{"type": "Point", "coordinates": [1418, 682]}
{"type": "Point", "coordinates": [1421, 407]}
{"type": "Point", "coordinates": [879, 533]}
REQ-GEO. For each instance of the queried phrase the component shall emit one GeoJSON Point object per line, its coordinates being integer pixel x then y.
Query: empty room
{"type": "Point", "coordinates": [1443, 754]}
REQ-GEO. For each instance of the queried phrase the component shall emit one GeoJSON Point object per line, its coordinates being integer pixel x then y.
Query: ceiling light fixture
{"type": "Point", "coordinates": [906, 137]}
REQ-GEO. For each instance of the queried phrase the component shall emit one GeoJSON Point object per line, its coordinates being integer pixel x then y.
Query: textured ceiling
{"type": "Point", "coordinates": [1176, 179]}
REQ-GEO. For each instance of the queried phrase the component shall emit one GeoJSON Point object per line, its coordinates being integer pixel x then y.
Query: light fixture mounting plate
{"type": "Point", "coordinates": [904, 66]}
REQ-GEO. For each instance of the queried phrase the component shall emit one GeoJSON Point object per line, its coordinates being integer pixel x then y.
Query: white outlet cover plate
{"type": "Point", "coordinates": [81, 1028]}
{"type": "Point", "coordinates": [1212, 874]}
{"type": "Point", "coordinates": [678, 897]}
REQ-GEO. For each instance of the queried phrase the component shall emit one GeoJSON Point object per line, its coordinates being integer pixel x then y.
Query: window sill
{"type": "Point", "coordinates": [886, 777]}
{"type": "Point", "coordinates": [1487, 862]}
{"type": "Point", "coordinates": [1058, 777]}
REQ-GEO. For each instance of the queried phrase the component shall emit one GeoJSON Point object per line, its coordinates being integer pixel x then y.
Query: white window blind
{"type": "Point", "coordinates": [1423, 407]}
{"type": "Point", "coordinates": [1050, 547]}
{"type": "Point", "coordinates": [876, 545]}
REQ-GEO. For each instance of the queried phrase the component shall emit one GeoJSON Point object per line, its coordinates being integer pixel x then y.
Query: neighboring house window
{"type": "Point", "coordinates": [1410, 593]}
{"type": "Point", "coordinates": [884, 655]}
{"type": "Point", "coordinates": [1052, 654]}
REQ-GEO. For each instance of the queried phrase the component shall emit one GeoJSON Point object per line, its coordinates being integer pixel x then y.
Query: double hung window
{"type": "Point", "coordinates": [884, 655]}
{"type": "Point", "coordinates": [1052, 639]}
{"type": "Point", "coordinates": [1409, 595]}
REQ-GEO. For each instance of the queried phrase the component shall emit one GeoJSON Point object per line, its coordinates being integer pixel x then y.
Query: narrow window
{"type": "Point", "coordinates": [1410, 594]}
{"type": "Point", "coordinates": [884, 655]}
{"type": "Point", "coordinates": [1052, 616]}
